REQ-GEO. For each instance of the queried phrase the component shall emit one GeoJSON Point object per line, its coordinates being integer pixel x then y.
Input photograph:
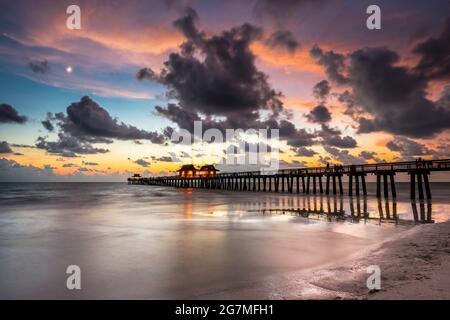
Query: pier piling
{"type": "Point", "coordinates": [418, 170]}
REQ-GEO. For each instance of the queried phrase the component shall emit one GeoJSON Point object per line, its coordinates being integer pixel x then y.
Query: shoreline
{"type": "Point", "coordinates": [414, 264]}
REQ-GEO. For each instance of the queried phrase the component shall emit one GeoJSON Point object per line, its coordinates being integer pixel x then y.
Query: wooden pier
{"type": "Point", "coordinates": [311, 180]}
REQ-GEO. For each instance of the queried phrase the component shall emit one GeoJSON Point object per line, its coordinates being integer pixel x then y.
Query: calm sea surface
{"type": "Point", "coordinates": [158, 242]}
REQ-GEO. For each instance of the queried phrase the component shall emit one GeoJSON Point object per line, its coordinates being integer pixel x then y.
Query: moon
{"type": "Point", "coordinates": [69, 69]}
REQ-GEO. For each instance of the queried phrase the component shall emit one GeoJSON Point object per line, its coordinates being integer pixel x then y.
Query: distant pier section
{"type": "Point", "coordinates": [323, 180]}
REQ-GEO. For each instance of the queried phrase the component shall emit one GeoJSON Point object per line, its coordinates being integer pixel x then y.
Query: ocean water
{"type": "Point", "coordinates": [150, 242]}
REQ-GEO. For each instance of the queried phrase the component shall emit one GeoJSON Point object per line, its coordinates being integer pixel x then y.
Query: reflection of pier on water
{"type": "Point", "coordinates": [331, 209]}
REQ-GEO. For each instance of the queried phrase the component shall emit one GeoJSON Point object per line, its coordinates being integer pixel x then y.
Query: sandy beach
{"type": "Point", "coordinates": [414, 264]}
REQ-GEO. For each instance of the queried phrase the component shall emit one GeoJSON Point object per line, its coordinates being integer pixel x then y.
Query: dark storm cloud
{"type": "Point", "coordinates": [164, 159]}
{"type": "Point", "coordinates": [334, 63]}
{"type": "Point", "coordinates": [386, 96]}
{"type": "Point", "coordinates": [11, 170]}
{"type": "Point", "coordinates": [326, 130]}
{"type": "Point", "coordinates": [321, 90]}
{"type": "Point", "coordinates": [186, 24]}
{"type": "Point", "coordinates": [10, 115]}
{"type": "Point", "coordinates": [67, 146]}
{"type": "Point", "coordinates": [295, 137]}
{"type": "Point", "coordinates": [39, 66]}
{"type": "Point", "coordinates": [283, 39]}
{"type": "Point", "coordinates": [146, 74]}
{"type": "Point", "coordinates": [352, 109]}
{"type": "Point", "coordinates": [87, 123]}
{"type": "Point", "coordinates": [226, 82]}
{"type": "Point", "coordinates": [344, 156]}
{"type": "Point", "coordinates": [345, 142]}
{"type": "Point", "coordinates": [393, 95]}
{"type": "Point", "coordinates": [407, 147]}
{"type": "Point", "coordinates": [319, 114]}
{"type": "Point", "coordinates": [333, 137]}
{"type": "Point", "coordinates": [215, 79]}
{"type": "Point", "coordinates": [47, 124]}
{"type": "Point", "coordinates": [369, 155]}
{"type": "Point", "coordinates": [183, 118]}
{"type": "Point", "coordinates": [69, 165]}
{"type": "Point", "coordinates": [90, 163]}
{"type": "Point", "coordinates": [4, 147]}
{"type": "Point", "coordinates": [86, 117]}
{"type": "Point", "coordinates": [142, 163]}
{"type": "Point", "coordinates": [23, 146]}
{"type": "Point", "coordinates": [305, 152]}
{"type": "Point", "coordinates": [435, 55]}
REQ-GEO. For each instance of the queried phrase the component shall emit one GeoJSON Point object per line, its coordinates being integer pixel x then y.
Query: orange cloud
{"type": "Point", "coordinates": [298, 61]}
{"type": "Point", "coordinates": [293, 103]}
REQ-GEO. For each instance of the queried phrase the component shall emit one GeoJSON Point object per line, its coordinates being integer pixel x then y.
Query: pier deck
{"type": "Point", "coordinates": [314, 180]}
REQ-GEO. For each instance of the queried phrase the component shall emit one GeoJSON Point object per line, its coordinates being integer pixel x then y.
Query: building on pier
{"type": "Point", "coordinates": [135, 178]}
{"type": "Point", "coordinates": [190, 171]}
{"type": "Point", "coordinates": [207, 171]}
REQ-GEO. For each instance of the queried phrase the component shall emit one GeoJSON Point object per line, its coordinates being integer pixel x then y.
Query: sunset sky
{"type": "Point", "coordinates": [97, 104]}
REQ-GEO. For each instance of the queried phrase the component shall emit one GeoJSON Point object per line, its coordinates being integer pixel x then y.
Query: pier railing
{"type": "Point", "coordinates": [309, 180]}
{"type": "Point", "coordinates": [402, 166]}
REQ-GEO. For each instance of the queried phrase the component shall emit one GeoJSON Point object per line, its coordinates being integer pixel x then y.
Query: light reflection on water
{"type": "Point", "coordinates": [331, 209]}
{"type": "Point", "coordinates": [156, 242]}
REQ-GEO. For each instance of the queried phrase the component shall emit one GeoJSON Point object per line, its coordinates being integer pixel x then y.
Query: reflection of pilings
{"type": "Point", "coordinates": [420, 174]}
{"type": "Point", "coordinates": [380, 209]}
{"type": "Point", "coordinates": [312, 207]}
{"type": "Point", "coordinates": [356, 214]}
{"type": "Point", "coordinates": [425, 217]}
{"type": "Point", "coordinates": [389, 214]}
{"type": "Point", "coordinates": [385, 175]}
{"type": "Point", "coordinates": [334, 209]}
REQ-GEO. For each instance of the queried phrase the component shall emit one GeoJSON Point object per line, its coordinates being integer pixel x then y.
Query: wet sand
{"type": "Point", "coordinates": [414, 265]}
